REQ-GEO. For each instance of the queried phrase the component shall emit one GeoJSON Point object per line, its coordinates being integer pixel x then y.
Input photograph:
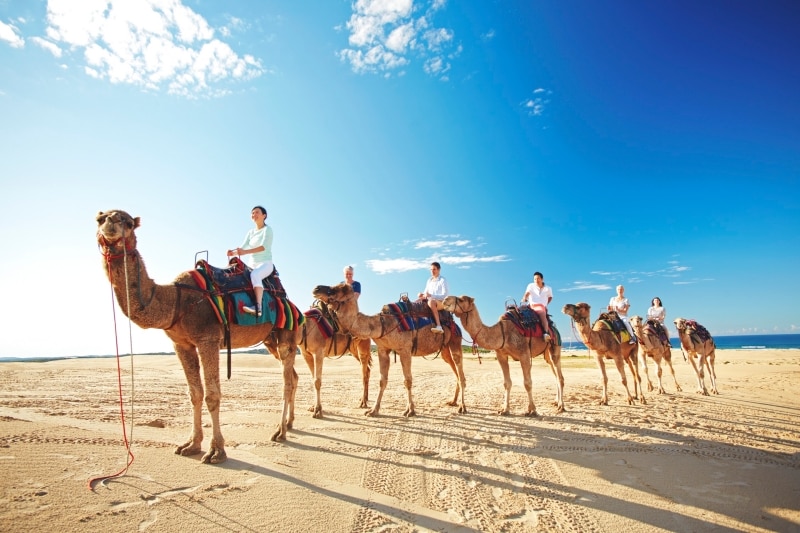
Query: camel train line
{"type": "Point", "coordinates": [199, 328]}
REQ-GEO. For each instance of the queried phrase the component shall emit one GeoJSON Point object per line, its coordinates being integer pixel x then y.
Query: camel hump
{"type": "Point", "coordinates": [701, 332]}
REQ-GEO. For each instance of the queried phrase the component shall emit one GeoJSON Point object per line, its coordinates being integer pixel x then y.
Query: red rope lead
{"type": "Point", "coordinates": [130, 458]}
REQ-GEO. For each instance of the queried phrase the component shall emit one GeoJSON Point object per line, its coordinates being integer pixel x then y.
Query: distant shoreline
{"type": "Point", "coordinates": [574, 350]}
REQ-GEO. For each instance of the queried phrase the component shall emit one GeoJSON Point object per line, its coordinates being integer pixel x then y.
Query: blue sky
{"type": "Point", "coordinates": [653, 144]}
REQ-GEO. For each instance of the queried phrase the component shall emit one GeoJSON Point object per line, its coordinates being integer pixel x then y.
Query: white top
{"type": "Point", "coordinates": [436, 288]}
{"type": "Point", "coordinates": [657, 313]}
{"type": "Point", "coordinates": [620, 306]}
{"type": "Point", "coordinates": [538, 295]}
{"type": "Point", "coordinates": [258, 237]}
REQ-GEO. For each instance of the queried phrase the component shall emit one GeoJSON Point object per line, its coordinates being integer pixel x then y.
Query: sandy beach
{"type": "Point", "coordinates": [682, 462]}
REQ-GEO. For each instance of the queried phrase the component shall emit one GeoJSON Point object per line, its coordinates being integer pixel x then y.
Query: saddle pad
{"type": "Point", "coordinates": [278, 311]}
{"type": "Point", "coordinates": [324, 326]}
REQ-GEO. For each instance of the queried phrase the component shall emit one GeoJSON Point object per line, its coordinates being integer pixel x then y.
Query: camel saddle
{"type": "Point", "coordinates": [236, 277]}
{"type": "Point", "coordinates": [698, 331]}
{"type": "Point", "coordinates": [656, 328]}
{"type": "Point", "coordinates": [611, 321]}
{"type": "Point", "coordinates": [415, 315]}
{"type": "Point", "coordinates": [528, 322]}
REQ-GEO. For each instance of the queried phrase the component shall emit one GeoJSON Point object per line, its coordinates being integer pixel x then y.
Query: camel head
{"type": "Point", "coordinates": [579, 312]}
{"type": "Point", "coordinates": [636, 321]}
{"type": "Point", "coordinates": [680, 323]}
{"type": "Point", "coordinates": [459, 305]}
{"type": "Point", "coordinates": [333, 295]}
{"type": "Point", "coordinates": [114, 227]}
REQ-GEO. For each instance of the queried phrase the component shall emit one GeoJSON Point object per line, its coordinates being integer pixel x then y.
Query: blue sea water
{"type": "Point", "coordinates": [724, 342]}
{"type": "Point", "coordinates": [731, 342]}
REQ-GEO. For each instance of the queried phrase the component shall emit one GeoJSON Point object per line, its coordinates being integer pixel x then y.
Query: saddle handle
{"type": "Point", "coordinates": [198, 253]}
{"type": "Point", "coordinates": [512, 305]}
{"type": "Point", "coordinates": [404, 297]}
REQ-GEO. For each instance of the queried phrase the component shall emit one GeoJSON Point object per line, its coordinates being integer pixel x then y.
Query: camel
{"type": "Point", "coordinates": [650, 345]}
{"type": "Point", "coordinates": [506, 341]}
{"type": "Point", "coordinates": [384, 330]}
{"type": "Point", "coordinates": [315, 347]}
{"type": "Point", "coordinates": [694, 346]}
{"type": "Point", "coordinates": [182, 311]}
{"type": "Point", "coordinates": [605, 345]}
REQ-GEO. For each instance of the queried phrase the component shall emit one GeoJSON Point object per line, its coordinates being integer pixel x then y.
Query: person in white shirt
{"type": "Point", "coordinates": [538, 296]}
{"type": "Point", "coordinates": [435, 292]}
{"type": "Point", "coordinates": [258, 244]}
{"type": "Point", "coordinates": [620, 304]}
{"type": "Point", "coordinates": [658, 313]}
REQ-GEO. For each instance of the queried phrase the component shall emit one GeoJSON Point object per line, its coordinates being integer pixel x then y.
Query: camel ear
{"type": "Point", "coordinates": [469, 299]}
{"type": "Point", "coordinates": [101, 217]}
{"type": "Point", "coordinates": [137, 222]}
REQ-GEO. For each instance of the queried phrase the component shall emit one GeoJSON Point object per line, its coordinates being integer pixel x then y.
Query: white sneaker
{"type": "Point", "coordinates": [437, 329]}
{"type": "Point", "coordinates": [251, 310]}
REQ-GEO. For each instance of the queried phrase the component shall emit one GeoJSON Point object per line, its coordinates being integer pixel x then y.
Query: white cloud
{"type": "Point", "coordinates": [155, 44]}
{"type": "Point", "coordinates": [586, 286]}
{"type": "Point", "coordinates": [47, 45]}
{"type": "Point", "coordinates": [385, 36]}
{"type": "Point", "coordinates": [536, 106]}
{"type": "Point", "coordinates": [447, 250]}
{"type": "Point", "coordinates": [10, 34]}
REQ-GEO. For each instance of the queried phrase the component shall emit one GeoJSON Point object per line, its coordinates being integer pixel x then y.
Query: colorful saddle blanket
{"type": "Point", "coordinates": [701, 332]}
{"type": "Point", "coordinates": [528, 323]}
{"type": "Point", "coordinates": [326, 326]}
{"type": "Point", "coordinates": [654, 327]}
{"type": "Point", "coordinates": [229, 290]}
{"type": "Point", "coordinates": [236, 277]}
{"type": "Point", "coordinates": [417, 315]}
{"type": "Point", "coordinates": [612, 322]}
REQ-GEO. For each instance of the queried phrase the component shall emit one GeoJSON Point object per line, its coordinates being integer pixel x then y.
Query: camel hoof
{"type": "Point", "coordinates": [215, 457]}
{"type": "Point", "coordinates": [677, 388]}
{"type": "Point", "coordinates": [371, 412]}
{"type": "Point", "coordinates": [409, 413]}
{"type": "Point", "coordinates": [187, 450]}
{"type": "Point", "coordinates": [462, 410]}
{"type": "Point", "coordinates": [560, 409]}
{"type": "Point", "coordinates": [643, 401]}
{"type": "Point", "coordinates": [532, 414]}
{"type": "Point", "coordinates": [363, 404]}
{"type": "Point", "coordinates": [503, 412]}
{"type": "Point", "coordinates": [279, 435]}
{"type": "Point", "coordinates": [602, 402]}
{"type": "Point", "coordinates": [630, 400]}
{"type": "Point", "coordinates": [451, 404]}
{"type": "Point", "coordinates": [317, 414]}
{"type": "Point", "coordinates": [714, 391]}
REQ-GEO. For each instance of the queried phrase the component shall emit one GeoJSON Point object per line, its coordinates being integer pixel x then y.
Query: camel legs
{"type": "Point", "coordinates": [638, 390]}
{"type": "Point", "coordinates": [363, 353]}
{"type": "Point", "coordinates": [698, 370]}
{"type": "Point", "coordinates": [525, 364]}
{"type": "Point", "coordinates": [554, 361]}
{"type": "Point", "coordinates": [643, 355]}
{"type": "Point", "coordinates": [502, 358]}
{"type": "Point", "coordinates": [383, 360]}
{"type": "Point", "coordinates": [408, 381]}
{"type": "Point", "coordinates": [314, 362]}
{"type": "Point", "coordinates": [668, 359]}
{"type": "Point", "coordinates": [602, 365]}
{"type": "Point", "coordinates": [620, 362]}
{"type": "Point", "coordinates": [191, 368]}
{"type": "Point", "coordinates": [285, 351]}
{"type": "Point", "coordinates": [456, 362]}
{"type": "Point", "coordinates": [712, 375]}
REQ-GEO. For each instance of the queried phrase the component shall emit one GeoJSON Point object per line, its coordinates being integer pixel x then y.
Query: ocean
{"type": "Point", "coordinates": [730, 342]}
{"type": "Point", "coordinates": [724, 342]}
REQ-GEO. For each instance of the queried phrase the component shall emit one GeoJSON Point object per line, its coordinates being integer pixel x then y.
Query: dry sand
{"type": "Point", "coordinates": [683, 462]}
